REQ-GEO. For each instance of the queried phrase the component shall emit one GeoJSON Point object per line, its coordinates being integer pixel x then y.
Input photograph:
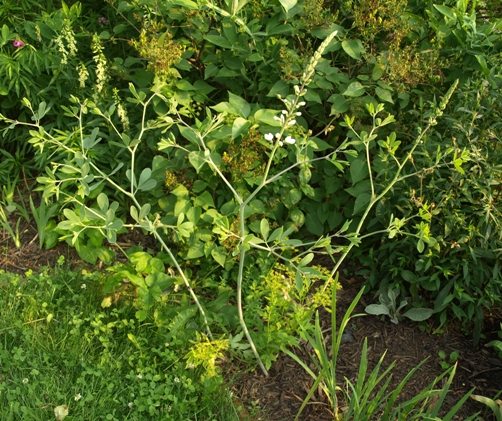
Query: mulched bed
{"type": "Point", "coordinates": [281, 394]}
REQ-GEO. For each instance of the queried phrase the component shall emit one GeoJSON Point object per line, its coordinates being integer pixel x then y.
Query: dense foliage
{"type": "Point", "coordinates": [249, 137]}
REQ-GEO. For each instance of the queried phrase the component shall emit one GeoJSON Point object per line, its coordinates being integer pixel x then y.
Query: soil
{"type": "Point", "coordinates": [280, 395]}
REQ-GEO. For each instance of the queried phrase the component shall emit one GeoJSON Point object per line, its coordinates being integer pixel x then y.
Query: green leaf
{"type": "Point", "coordinates": [204, 200]}
{"type": "Point", "coordinates": [299, 281]}
{"type": "Point", "coordinates": [339, 104]}
{"type": "Point", "coordinates": [199, 186]}
{"type": "Point", "coordinates": [377, 309]}
{"type": "Point", "coordinates": [297, 217]}
{"type": "Point", "coordinates": [280, 30]}
{"type": "Point", "coordinates": [361, 202]}
{"type": "Point", "coordinates": [358, 170]}
{"type": "Point", "coordinates": [409, 276]}
{"type": "Point", "coordinates": [267, 117]}
{"type": "Point", "coordinates": [188, 134]}
{"type": "Point", "coordinates": [219, 41]}
{"type": "Point", "coordinates": [141, 315]}
{"type": "Point", "coordinates": [184, 85]}
{"type": "Point", "coordinates": [195, 251]}
{"type": "Point", "coordinates": [264, 228]}
{"type": "Point", "coordinates": [313, 224]}
{"type": "Point", "coordinates": [288, 4]}
{"type": "Point", "coordinates": [103, 202]}
{"type": "Point", "coordinates": [185, 229]}
{"type": "Point", "coordinates": [145, 210]}
{"type": "Point", "coordinates": [241, 105]}
{"type": "Point", "coordinates": [202, 87]}
{"type": "Point", "coordinates": [280, 88]}
{"type": "Point", "coordinates": [276, 234]}
{"type": "Point", "coordinates": [197, 160]}
{"type": "Point", "coordinates": [354, 48]}
{"type": "Point", "coordinates": [219, 255]}
{"type": "Point", "coordinates": [360, 188]}
{"type": "Point", "coordinates": [255, 207]}
{"type": "Point", "coordinates": [384, 94]}
{"type": "Point", "coordinates": [355, 89]}
{"type": "Point", "coordinates": [306, 260]}
{"type": "Point", "coordinates": [313, 96]}
{"type": "Point", "coordinates": [189, 4]}
{"type": "Point", "coordinates": [293, 196]}
{"type": "Point", "coordinates": [418, 314]}
{"type": "Point", "coordinates": [377, 72]}
{"type": "Point", "coordinates": [148, 185]}
{"type": "Point", "coordinates": [180, 191]}
{"type": "Point", "coordinates": [446, 11]}
{"type": "Point", "coordinates": [238, 126]}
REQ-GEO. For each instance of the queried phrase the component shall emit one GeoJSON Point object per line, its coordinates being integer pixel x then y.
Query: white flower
{"type": "Point", "coordinates": [77, 397]}
{"type": "Point", "coordinates": [130, 404]}
{"type": "Point", "coordinates": [284, 111]}
{"type": "Point", "coordinates": [292, 122]}
{"type": "Point", "coordinates": [176, 380]}
{"type": "Point", "coordinates": [166, 344]}
{"type": "Point", "coordinates": [303, 103]}
{"type": "Point", "coordinates": [83, 286]}
{"type": "Point", "coordinates": [269, 137]}
{"type": "Point", "coordinates": [139, 376]}
{"type": "Point", "coordinates": [298, 113]}
{"type": "Point", "coordinates": [25, 380]}
{"type": "Point", "coordinates": [290, 140]}
{"type": "Point", "coordinates": [277, 135]}
{"type": "Point", "coordinates": [280, 143]}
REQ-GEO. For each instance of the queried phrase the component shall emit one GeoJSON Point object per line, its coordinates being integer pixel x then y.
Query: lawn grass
{"type": "Point", "coordinates": [60, 346]}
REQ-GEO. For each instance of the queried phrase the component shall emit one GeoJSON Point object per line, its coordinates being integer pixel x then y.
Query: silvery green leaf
{"type": "Point", "coordinates": [418, 314]}
{"type": "Point", "coordinates": [377, 309]}
{"type": "Point", "coordinates": [402, 305]}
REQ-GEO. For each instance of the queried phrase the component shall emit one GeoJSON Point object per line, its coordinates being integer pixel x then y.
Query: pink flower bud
{"type": "Point", "coordinates": [18, 43]}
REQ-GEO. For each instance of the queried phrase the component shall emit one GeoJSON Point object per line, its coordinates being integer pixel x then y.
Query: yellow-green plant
{"type": "Point", "coordinates": [494, 404]}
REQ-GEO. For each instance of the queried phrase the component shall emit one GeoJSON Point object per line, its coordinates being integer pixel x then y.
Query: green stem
{"type": "Point", "coordinates": [185, 279]}
{"type": "Point", "coordinates": [376, 199]}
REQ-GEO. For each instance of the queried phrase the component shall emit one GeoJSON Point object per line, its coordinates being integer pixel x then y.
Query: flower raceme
{"type": "Point", "coordinates": [270, 138]}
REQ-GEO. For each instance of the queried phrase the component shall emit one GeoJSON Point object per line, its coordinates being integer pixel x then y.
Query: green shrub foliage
{"type": "Point", "coordinates": [223, 127]}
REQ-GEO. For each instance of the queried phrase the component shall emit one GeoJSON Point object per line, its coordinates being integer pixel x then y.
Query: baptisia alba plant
{"type": "Point", "coordinates": [223, 187]}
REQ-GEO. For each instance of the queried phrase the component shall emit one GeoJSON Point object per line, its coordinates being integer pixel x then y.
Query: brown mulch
{"type": "Point", "coordinates": [280, 395]}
